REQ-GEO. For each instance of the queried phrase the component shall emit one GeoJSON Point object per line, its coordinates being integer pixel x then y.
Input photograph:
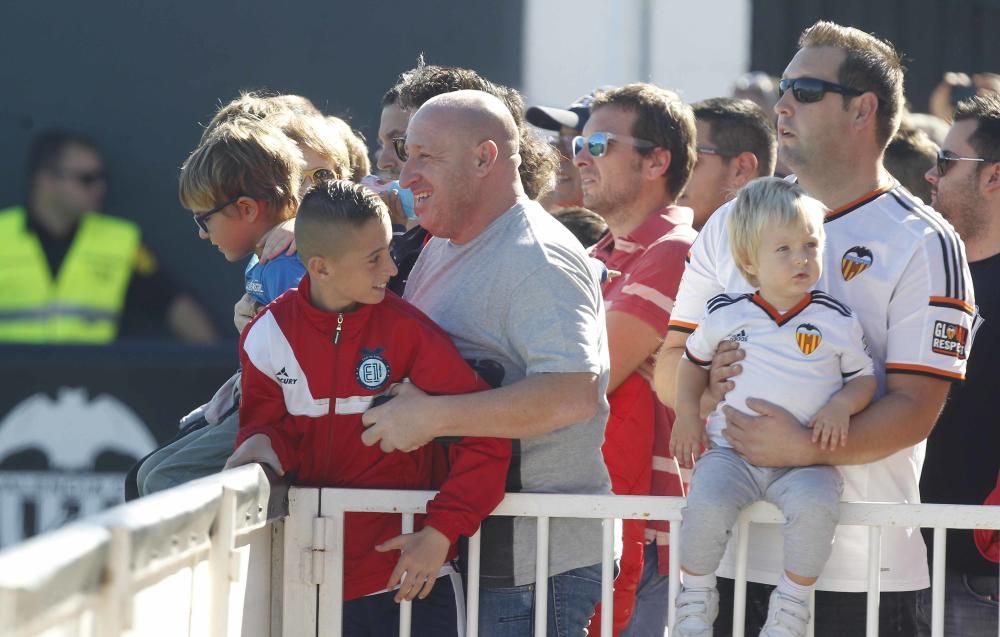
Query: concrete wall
{"type": "Point", "coordinates": [573, 46]}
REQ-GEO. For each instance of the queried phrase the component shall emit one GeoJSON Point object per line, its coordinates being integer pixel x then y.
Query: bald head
{"type": "Point", "coordinates": [473, 117]}
{"type": "Point", "coordinates": [462, 163]}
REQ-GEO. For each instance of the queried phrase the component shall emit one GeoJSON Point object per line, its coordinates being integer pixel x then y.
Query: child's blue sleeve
{"type": "Point", "coordinates": [280, 275]}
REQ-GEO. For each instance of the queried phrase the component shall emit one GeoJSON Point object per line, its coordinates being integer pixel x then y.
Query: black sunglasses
{"type": "Point", "coordinates": [201, 219]}
{"type": "Point", "coordinates": [86, 179]}
{"type": "Point", "coordinates": [809, 89]}
{"type": "Point", "coordinates": [399, 145]}
{"type": "Point", "coordinates": [597, 144]}
{"type": "Point", "coordinates": [943, 157]}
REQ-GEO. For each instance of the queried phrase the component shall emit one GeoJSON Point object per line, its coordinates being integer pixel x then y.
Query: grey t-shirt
{"type": "Point", "coordinates": [521, 295]}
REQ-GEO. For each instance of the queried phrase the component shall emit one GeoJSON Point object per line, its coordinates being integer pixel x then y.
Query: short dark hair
{"type": "Point", "coordinates": [390, 97]}
{"type": "Point", "coordinates": [985, 109]}
{"type": "Point", "coordinates": [586, 225]}
{"type": "Point", "coordinates": [329, 204]}
{"type": "Point", "coordinates": [539, 160]}
{"type": "Point", "coordinates": [908, 156]}
{"type": "Point", "coordinates": [47, 149]}
{"type": "Point", "coordinates": [870, 64]}
{"type": "Point", "coordinates": [662, 118]}
{"type": "Point", "coordinates": [738, 126]}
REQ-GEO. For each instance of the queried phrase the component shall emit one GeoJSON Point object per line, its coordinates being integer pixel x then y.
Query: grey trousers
{"type": "Point", "coordinates": [196, 455]}
{"type": "Point", "coordinates": [724, 484]}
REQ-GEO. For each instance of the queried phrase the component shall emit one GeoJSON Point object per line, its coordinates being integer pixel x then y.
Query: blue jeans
{"type": "Point", "coordinates": [510, 612]}
{"type": "Point", "coordinates": [970, 606]}
{"type": "Point", "coordinates": [441, 614]}
{"type": "Point", "coordinates": [649, 619]}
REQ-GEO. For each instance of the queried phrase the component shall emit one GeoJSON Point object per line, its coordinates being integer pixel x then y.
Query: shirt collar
{"type": "Point", "coordinates": [649, 231]}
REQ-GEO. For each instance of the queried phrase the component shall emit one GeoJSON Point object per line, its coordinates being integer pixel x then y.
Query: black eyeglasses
{"type": "Point", "coordinates": [597, 144]}
{"type": "Point", "coordinates": [809, 89]}
{"type": "Point", "coordinates": [201, 218]}
{"type": "Point", "coordinates": [399, 145]}
{"type": "Point", "coordinates": [944, 156]}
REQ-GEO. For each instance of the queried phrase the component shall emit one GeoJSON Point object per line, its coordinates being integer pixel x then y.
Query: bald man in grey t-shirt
{"type": "Point", "coordinates": [513, 289]}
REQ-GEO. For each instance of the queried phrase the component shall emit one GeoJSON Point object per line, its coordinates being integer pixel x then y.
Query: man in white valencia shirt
{"type": "Point", "coordinates": [903, 270]}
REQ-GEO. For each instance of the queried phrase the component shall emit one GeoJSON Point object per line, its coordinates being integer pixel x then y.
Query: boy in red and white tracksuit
{"type": "Point", "coordinates": [310, 372]}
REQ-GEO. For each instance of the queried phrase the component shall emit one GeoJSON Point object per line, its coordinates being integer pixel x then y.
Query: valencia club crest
{"type": "Point", "coordinates": [808, 337]}
{"type": "Point", "coordinates": [855, 261]}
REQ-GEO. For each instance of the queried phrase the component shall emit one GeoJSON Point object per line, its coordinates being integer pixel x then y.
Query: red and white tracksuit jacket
{"type": "Point", "coordinates": [309, 375]}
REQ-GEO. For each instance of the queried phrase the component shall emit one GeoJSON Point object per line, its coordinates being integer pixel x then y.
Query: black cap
{"type": "Point", "coordinates": [551, 118]}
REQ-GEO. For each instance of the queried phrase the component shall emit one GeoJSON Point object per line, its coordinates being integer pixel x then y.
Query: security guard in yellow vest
{"type": "Point", "coordinates": [65, 272]}
{"type": "Point", "coordinates": [79, 304]}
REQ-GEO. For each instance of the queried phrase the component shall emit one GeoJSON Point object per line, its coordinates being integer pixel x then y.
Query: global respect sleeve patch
{"type": "Point", "coordinates": [949, 339]}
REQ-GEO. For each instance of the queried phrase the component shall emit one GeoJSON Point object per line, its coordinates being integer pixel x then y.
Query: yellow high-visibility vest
{"type": "Point", "coordinates": [84, 300]}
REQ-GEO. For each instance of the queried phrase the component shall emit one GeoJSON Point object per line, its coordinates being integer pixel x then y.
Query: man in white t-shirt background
{"type": "Point", "coordinates": [902, 269]}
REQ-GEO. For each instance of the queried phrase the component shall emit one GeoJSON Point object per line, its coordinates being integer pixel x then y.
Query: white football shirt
{"type": "Point", "coordinates": [797, 359]}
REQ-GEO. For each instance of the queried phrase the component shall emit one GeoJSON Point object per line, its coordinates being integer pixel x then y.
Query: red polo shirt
{"type": "Point", "coordinates": [651, 261]}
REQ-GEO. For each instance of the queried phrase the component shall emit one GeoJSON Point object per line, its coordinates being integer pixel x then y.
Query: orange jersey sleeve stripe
{"type": "Point", "coordinates": [958, 304]}
{"type": "Point", "coordinates": [921, 370]}
{"type": "Point", "coordinates": [682, 326]}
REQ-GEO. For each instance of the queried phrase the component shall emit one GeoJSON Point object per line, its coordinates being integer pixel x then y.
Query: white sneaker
{"type": "Point", "coordinates": [697, 609]}
{"type": "Point", "coordinates": [786, 617]}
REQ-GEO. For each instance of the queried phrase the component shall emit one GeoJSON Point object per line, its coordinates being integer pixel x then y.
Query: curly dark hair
{"type": "Point", "coordinates": [539, 160]}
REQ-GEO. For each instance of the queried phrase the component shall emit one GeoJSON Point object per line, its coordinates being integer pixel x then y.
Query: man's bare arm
{"type": "Point", "coordinates": [725, 365]}
{"type": "Point", "coordinates": [188, 322]}
{"type": "Point", "coordinates": [900, 419]}
{"type": "Point", "coordinates": [630, 342]}
{"type": "Point", "coordinates": [533, 406]}
{"type": "Point", "coordinates": [665, 373]}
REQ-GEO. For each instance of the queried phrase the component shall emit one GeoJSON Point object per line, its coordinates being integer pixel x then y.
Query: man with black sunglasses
{"type": "Point", "coordinates": [72, 275]}
{"type": "Point", "coordinates": [635, 156]}
{"type": "Point", "coordinates": [902, 270]}
{"type": "Point", "coordinates": [963, 451]}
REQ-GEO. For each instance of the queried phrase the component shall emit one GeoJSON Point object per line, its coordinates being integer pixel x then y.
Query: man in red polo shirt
{"type": "Point", "coordinates": [635, 156]}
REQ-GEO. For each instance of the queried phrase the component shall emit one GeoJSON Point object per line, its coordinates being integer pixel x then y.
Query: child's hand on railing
{"type": "Point", "coordinates": [423, 555]}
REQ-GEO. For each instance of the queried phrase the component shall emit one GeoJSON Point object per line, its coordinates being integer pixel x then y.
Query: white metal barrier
{"type": "Point", "coordinates": [194, 560]}
{"type": "Point", "coordinates": [333, 503]}
{"type": "Point", "coordinates": [202, 559]}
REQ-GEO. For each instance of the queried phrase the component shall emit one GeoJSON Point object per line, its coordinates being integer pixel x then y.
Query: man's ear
{"type": "Point", "coordinates": [865, 109]}
{"type": "Point", "coordinates": [991, 178]}
{"type": "Point", "coordinates": [486, 156]}
{"type": "Point", "coordinates": [742, 170]}
{"type": "Point", "coordinates": [657, 163]}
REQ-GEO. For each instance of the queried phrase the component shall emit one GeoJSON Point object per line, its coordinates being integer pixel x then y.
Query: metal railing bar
{"type": "Point", "coordinates": [607, 575]}
{"type": "Point", "coordinates": [740, 583]}
{"type": "Point", "coordinates": [938, 583]}
{"type": "Point", "coordinates": [472, 595]}
{"type": "Point", "coordinates": [542, 576]}
{"type": "Point", "coordinates": [406, 607]}
{"type": "Point", "coordinates": [674, 578]}
{"type": "Point", "coordinates": [874, 579]}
